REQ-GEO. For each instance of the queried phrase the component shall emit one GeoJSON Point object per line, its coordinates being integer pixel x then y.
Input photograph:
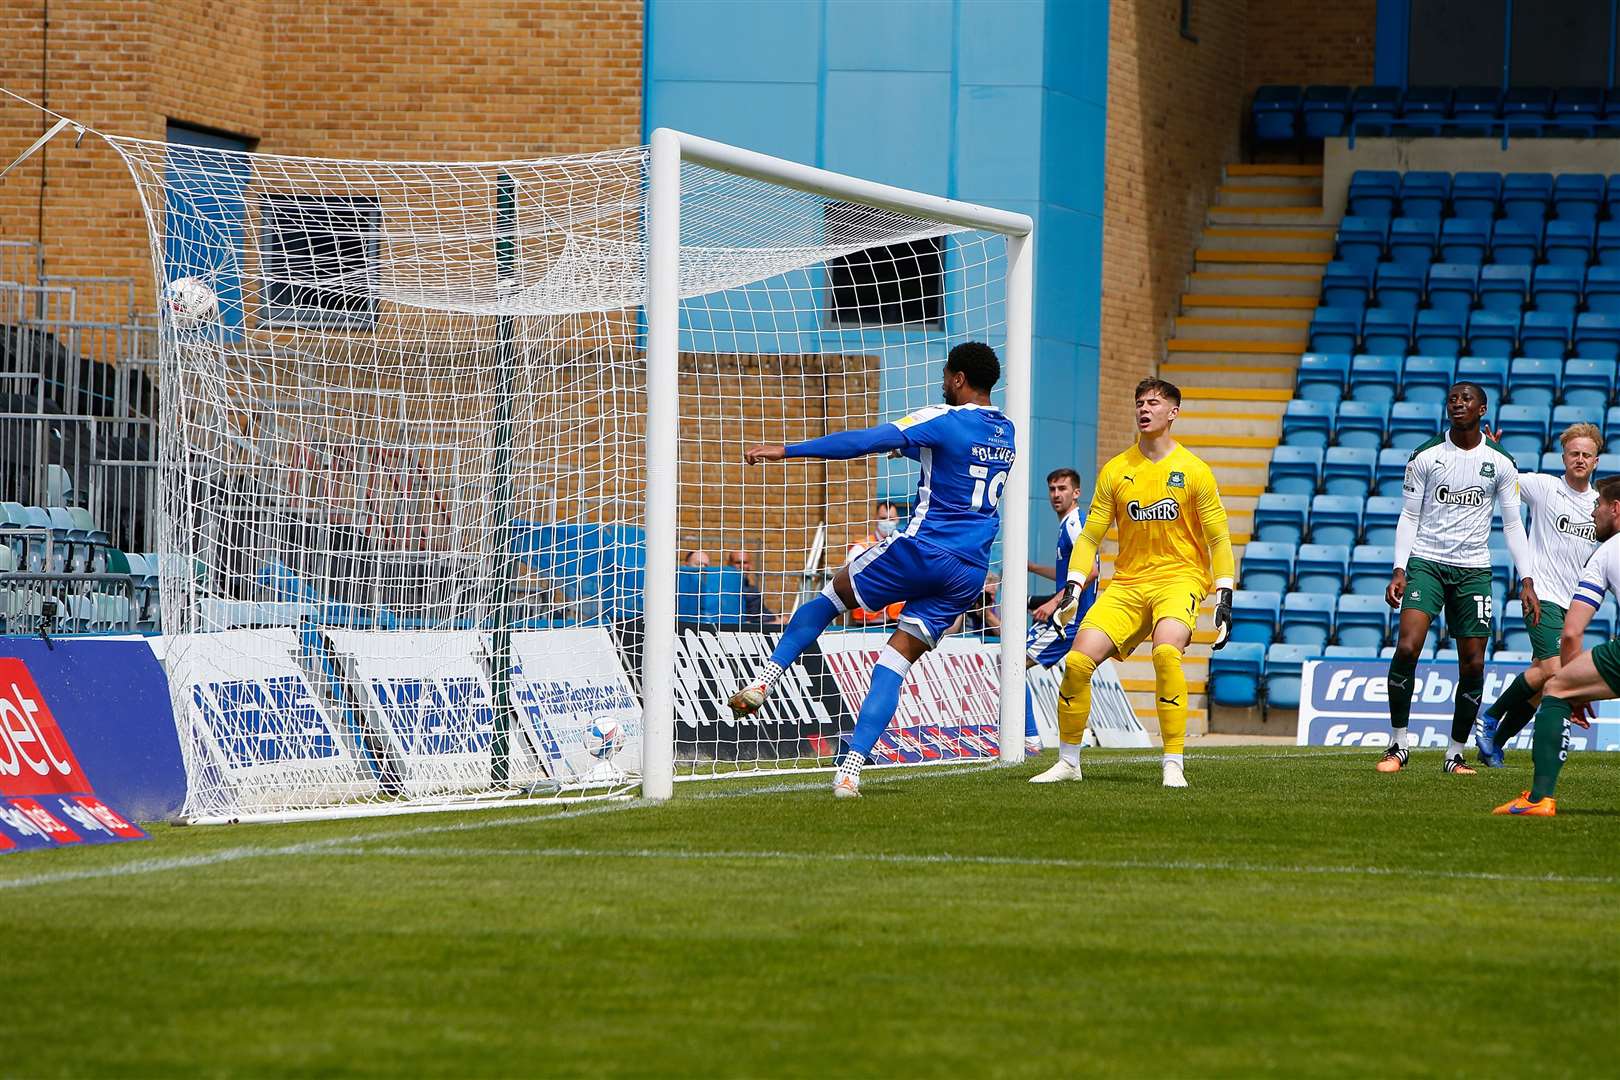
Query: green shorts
{"type": "Point", "coordinates": [1545, 635]}
{"type": "Point", "coordinates": [1606, 658]}
{"type": "Point", "coordinates": [1464, 592]}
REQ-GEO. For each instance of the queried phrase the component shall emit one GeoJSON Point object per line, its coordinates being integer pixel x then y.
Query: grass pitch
{"type": "Point", "coordinates": [1292, 913]}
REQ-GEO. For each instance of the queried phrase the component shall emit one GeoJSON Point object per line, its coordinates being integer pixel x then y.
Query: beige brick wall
{"type": "Point", "coordinates": [1306, 41]}
{"type": "Point", "coordinates": [1173, 109]}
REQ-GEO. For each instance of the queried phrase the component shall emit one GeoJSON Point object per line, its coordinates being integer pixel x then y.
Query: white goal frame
{"type": "Point", "coordinates": [663, 306]}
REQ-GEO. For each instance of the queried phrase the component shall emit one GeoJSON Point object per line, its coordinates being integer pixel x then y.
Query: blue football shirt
{"type": "Point", "coordinates": [965, 452]}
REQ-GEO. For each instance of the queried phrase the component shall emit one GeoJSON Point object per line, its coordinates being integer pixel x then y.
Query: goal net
{"type": "Point", "coordinates": [434, 530]}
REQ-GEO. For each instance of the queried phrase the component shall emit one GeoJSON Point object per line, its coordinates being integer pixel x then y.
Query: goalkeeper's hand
{"type": "Point", "coordinates": [1223, 617]}
{"type": "Point", "coordinates": [1068, 605]}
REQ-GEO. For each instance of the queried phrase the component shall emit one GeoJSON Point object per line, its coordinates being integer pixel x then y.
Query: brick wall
{"type": "Point", "coordinates": [1307, 41]}
{"type": "Point", "coordinates": [1173, 109]}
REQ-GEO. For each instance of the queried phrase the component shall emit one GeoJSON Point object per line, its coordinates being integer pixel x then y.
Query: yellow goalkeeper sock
{"type": "Point", "coordinates": [1074, 697]}
{"type": "Point", "coordinates": [1170, 689]}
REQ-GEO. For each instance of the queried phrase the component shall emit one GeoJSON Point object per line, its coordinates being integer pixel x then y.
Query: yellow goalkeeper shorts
{"type": "Point", "coordinates": [1127, 613]}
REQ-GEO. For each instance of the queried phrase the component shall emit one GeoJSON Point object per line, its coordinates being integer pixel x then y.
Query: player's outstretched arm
{"type": "Point", "coordinates": [1222, 566]}
{"type": "Point", "coordinates": [839, 446]}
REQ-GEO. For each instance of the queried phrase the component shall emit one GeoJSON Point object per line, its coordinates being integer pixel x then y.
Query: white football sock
{"type": "Point", "coordinates": [1069, 753]}
{"type": "Point", "coordinates": [1456, 749]}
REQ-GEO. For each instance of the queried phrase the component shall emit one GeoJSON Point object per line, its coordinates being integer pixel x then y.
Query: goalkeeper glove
{"type": "Point", "coordinates": [1223, 617]}
{"type": "Point", "coordinates": [1068, 604]}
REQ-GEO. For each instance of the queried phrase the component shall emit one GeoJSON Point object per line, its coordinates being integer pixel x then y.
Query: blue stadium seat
{"type": "Point", "coordinates": [1577, 110]}
{"type": "Point", "coordinates": [1475, 110]}
{"type": "Point", "coordinates": [1336, 520]}
{"type": "Point", "coordinates": [1391, 470]}
{"type": "Point", "coordinates": [730, 602]}
{"type": "Point", "coordinates": [1375, 379]}
{"type": "Point", "coordinates": [1515, 633]}
{"type": "Point", "coordinates": [1545, 335]}
{"type": "Point", "coordinates": [1267, 567]}
{"type": "Point", "coordinates": [1275, 112]}
{"type": "Point", "coordinates": [1569, 243]}
{"type": "Point", "coordinates": [1280, 518]}
{"type": "Point", "coordinates": [1321, 568]}
{"type": "Point", "coordinates": [1400, 287]}
{"type": "Point", "coordinates": [1425, 194]}
{"type": "Point", "coordinates": [1565, 415]}
{"type": "Point", "coordinates": [1597, 337]}
{"type": "Point", "coordinates": [1490, 372]}
{"type": "Point", "coordinates": [1492, 334]}
{"type": "Point", "coordinates": [1439, 333]}
{"type": "Point", "coordinates": [1370, 568]}
{"type": "Point", "coordinates": [1335, 330]}
{"type": "Point", "coordinates": [1426, 103]}
{"type": "Point", "coordinates": [1324, 111]}
{"type": "Point", "coordinates": [1308, 423]}
{"type": "Point", "coordinates": [1285, 665]}
{"type": "Point", "coordinates": [1381, 515]}
{"type": "Point", "coordinates": [1295, 470]}
{"type": "Point", "coordinates": [694, 602]}
{"type": "Point", "coordinates": [1374, 104]}
{"type": "Point", "coordinates": [1552, 461]}
{"type": "Point", "coordinates": [1578, 196]}
{"type": "Point", "coordinates": [1558, 288]}
{"type": "Point", "coordinates": [1608, 463]}
{"type": "Point", "coordinates": [1475, 195]}
{"type": "Point", "coordinates": [1254, 615]}
{"type": "Point", "coordinates": [1589, 385]}
{"type": "Point", "coordinates": [1361, 423]}
{"type": "Point", "coordinates": [1373, 193]}
{"type": "Point", "coordinates": [1348, 652]}
{"type": "Point", "coordinates": [1611, 426]}
{"type": "Point", "coordinates": [1526, 111]}
{"type": "Point", "coordinates": [1426, 378]}
{"type": "Point", "coordinates": [1525, 196]}
{"type": "Point", "coordinates": [1348, 470]}
{"type": "Point", "coordinates": [1387, 331]}
{"type": "Point", "coordinates": [1452, 287]}
{"type": "Point", "coordinates": [1307, 618]}
{"type": "Point", "coordinates": [1413, 241]}
{"type": "Point", "coordinates": [1363, 620]}
{"type": "Point", "coordinates": [1516, 243]}
{"type": "Point", "coordinates": [1606, 252]}
{"type": "Point", "coordinates": [1603, 290]}
{"type": "Point", "coordinates": [1234, 674]}
{"type": "Point", "coordinates": [1347, 285]}
{"type": "Point", "coordinates": [1322, 376]}
{"type": "Point", "coordinates": [1611, 197]}
{"type": "Point", "coordinates": [1502, 289]}
{"type": "Point", "coordinates": [1362, 239]}
{"type": "Point", "coordinates": [1522, 428]}
{"type": "Point", "coordinates": [1413, 423]}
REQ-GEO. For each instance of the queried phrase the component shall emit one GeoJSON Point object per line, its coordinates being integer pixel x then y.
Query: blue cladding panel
{"type": "Point", "coordinates": [896, 127]}
{"type": "Point", "coordinates": [722, 39]}
{"type": "Point", "coordinates": [773, 118]}
{"type": "Point", "coordinates": [889, 35]}
{"type": "Point", "coordinates": [998, 154]}
{"type": "Point", "coordinates": [1001, 42]}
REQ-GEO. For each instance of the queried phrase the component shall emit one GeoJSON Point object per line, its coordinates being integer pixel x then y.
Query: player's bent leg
{"type": "Point", "coordinates": [877, 708]}
{"type": "Point", "coordinates": [1170, 639]}
{"type": "Point", "coordinates": [809, 620]}
{"type": "Point", "coordinates": [1514, 709]}
{"type": "Point", "coordinates": [1413, 630]}
{"type": "Point", "coordinates": [1091, 647]}
{"type": "Point", "coordinates": [1590, 677]}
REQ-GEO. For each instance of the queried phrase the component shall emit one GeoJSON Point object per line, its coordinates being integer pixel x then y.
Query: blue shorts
{"type": "Point", "coordinates": [937, 587]}
{"type": "Point", "coordinates": [1047, 644]}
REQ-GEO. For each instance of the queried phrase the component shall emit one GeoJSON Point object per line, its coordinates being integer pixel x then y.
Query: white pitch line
{"type": "Point", "coordinates": [949, 859]}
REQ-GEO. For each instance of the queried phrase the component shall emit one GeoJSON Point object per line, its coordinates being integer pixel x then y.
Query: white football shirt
{"type": "Point", "coordinates": [1601, 573]}
{"type": "Point", "coordinates": [1562, 535]}
{"type": "Point", "coordinates": [1454, 490]}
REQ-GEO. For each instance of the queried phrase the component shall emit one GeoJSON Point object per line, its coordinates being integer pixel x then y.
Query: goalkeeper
{"type": "Point", "coordinates": [1172, 533]}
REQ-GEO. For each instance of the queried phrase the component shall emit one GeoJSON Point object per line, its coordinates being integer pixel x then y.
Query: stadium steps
{"type": "Point", "coordinates": [1267, 308]}
{"type": "Point", "coordinates": [1276, 237]}
{"type": "Point", "coordinates": [1273, 191]}
{"type": "Point", "coordinates": [1303, 281]}
{"type": "Point", "coordinates": [1234, 329]}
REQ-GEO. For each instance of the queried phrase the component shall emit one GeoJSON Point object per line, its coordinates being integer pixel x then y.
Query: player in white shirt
{"type": "Point", "coordinates": [1585, 677]}
{"type": "Point", "coordinates": [1443, 560]}
{"type": "Point", "coordinates": [1562, 537]}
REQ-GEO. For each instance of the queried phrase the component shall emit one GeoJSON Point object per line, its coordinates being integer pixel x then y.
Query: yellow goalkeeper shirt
{"type": "Point", "coordinates": [1171, 520]}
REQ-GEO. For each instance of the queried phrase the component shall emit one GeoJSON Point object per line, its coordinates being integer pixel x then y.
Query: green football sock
{"type": "Point", "coordinates": [1512, 710]}
{"type": "Point", "coordinates": [1551, 745]}
{"type": "Point", "coordinates": [1400, 690]}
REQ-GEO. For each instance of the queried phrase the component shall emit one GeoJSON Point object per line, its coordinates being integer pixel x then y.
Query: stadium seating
{"type": "Point", "coordinates": [1374, 193]}
{"type": "Point", "coordinates": [1309, 423]}
{"type": "Point", "coordinates": [1321, 568]}
{"type": "Point", "coordinates": [1275, 110]}
{"type": "Point", "coordinates": [1525, 196]}
{"type": "Point", "coordinates": [1349, 470]}
{"type": "Point", "coordinates": [1379, 517]}
{"type": "Point", "coordinates": [1400, 288]}
{"type": "Point", "coordinates": [1569, 243]}
{"type": "Point", "coordinates": [1589, 384]}
{"type": "Point", "coordinates": [1489, 372]}
{"type": "Point", "coordinates": [1362, 239]}
{"type": "Point", "coordinates": [1296, 470]}
{"type": "Point", "coordinates": [1335, 330]}
{"type": "Point", "coordinates": [1534, 380]}
{"type": "Point", "coordinates": [1387, 331]}
{"type": "Point", "coordinates": [1347, 285]}
{"type": "Point", "coordinates": [1567, 414]}
{"type": "Point", "coordinates": [1324, 111]}
{"type": "Point", "coordinates": [1284, 664]}
{"type": "Point", "coordinates": [1335, 520]}
{"type": "Point", "coordinates": [1440, 333]}
{"type": "Point", "coordinates": [1413, 241]}
{"type": "Point", "coordinates": [1375, 378]}
{"type": "Point", "coordinates": [1492, 334]}
{"type": "Point", "coordinates": [1502, 289]}
{"type": "Point", "coordinates": [1322, 376]}
{"type": "Point", "coordinates": [1452, 287]}
{"type": "Point", "coordinates": [1558, 289]}
{"type": "Point", "coordinates": [1307, 618]}
{"type": "Point", "coordinates": [1523, 429]}
{"type": "Point", "coordinates": [1597, 337]}
{"type": "Point", "coordinates": [1425, 194]}
{"type": "Point", "coordinates": [1280, 518]}
{"type": "Point", "coordinates": [1425, 379]}
{"type": "Point", "coordinates": [1361, 423]}
{"type": "Point", "coordinates": [1267, 567]}
{"type": "Point", "coordinates": [1391, 470]}
{"type": "Point", "coordinates": [1578, 196]}
{"type": "Point", "coordinates": [1363, 620]}
{"type": "Point", "coordinates": [1601, 290]}
{"type": "Point", "coordinates": [1476, 195]}
{"type": "Point", "coordinates": [1254, 615]}
{"type": "Point", "coordinates": [1235, 673]}
{"type": "Point", "coordinates": [1370, 569]}
{"type": "Point", "coordinates": [1412, 423]}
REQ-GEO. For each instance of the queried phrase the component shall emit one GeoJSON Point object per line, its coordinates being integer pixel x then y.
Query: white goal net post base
{"type": "Point", "coordinates": [447, 446]}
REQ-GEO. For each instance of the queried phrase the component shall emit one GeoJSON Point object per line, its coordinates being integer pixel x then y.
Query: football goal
{"type": "Point", "coordinates": [453, 506]}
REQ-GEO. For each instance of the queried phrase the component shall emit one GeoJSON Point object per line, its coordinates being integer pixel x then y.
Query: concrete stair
{"type": "Point", "coordinates": [1235, 352]}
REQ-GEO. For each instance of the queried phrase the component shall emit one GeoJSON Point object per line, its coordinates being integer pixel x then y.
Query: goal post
{"type": "Point", "coordinates": [670, 149]}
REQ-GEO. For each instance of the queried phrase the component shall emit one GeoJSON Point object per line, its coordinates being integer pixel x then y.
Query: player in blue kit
{"type": "Point", "coordinates": [1048, 642]}
{"type": "Point", "coordinates": [937, 564]}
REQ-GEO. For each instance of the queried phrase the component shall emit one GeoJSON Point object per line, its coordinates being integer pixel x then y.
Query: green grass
{"type": "Point", "coordinates": [1292, 913]}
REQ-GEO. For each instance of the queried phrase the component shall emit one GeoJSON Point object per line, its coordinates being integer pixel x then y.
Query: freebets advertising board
{"type": "Point", "coordinates": [45, 798]}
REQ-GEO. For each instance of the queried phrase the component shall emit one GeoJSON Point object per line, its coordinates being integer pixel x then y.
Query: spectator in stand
{"type": "Point", "coordinates": [698, 559]}
{"type": "Point", "coordinates": [885, 523]}
{"type": "Point", "coordinates": [752, 599]}
{"type": "Point", "coordinates": [984, 617]}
